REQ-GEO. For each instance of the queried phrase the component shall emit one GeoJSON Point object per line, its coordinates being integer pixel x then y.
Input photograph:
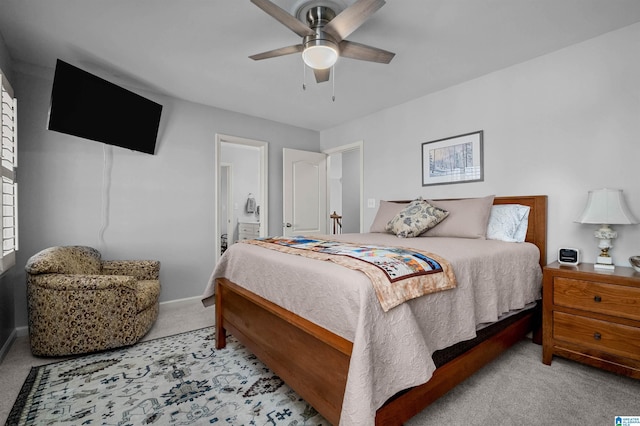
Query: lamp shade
{"type": "Point", "coordinates": [606, 206]}
{"type": "Point", "coordinates": [320, 54]}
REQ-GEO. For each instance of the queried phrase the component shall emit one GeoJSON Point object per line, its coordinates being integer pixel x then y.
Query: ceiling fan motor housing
{"type": "Point", "coordinates": [318, 17]}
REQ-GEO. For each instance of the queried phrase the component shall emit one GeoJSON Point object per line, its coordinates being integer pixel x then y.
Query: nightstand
{"type": "Point", "coordinates": [592, 316]}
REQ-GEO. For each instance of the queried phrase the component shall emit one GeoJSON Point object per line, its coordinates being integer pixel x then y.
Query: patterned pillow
{"type": "Point", "coordinates": [416, 218]}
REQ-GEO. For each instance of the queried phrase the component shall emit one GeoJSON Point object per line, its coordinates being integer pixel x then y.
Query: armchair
{"type": "Point", "coordinates": [79, 303]}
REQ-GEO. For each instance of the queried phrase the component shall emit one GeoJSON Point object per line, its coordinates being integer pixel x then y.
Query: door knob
{"type": "Point", "coordinates": [288, 225]}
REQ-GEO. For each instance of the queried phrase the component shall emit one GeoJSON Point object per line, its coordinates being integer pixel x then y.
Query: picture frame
{"type": "Point", "coordinates": [457, 159]}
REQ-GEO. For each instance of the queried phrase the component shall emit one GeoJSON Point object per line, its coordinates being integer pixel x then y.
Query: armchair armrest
{"type": "Point", "coordinates": [140, 269]}
{"type": "Point", "coordinates": [64, 282]}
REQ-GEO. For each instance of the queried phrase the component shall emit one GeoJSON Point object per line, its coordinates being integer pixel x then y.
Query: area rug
{"type": "Point", "coordinates": [176, 380]}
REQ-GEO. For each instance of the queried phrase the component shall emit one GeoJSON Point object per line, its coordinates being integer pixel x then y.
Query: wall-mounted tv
{"type": "Point", "coordinates": [90, 107]}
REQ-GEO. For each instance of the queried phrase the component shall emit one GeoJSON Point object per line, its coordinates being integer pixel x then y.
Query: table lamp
{"type": "Point", "coordinates": [606, 207]}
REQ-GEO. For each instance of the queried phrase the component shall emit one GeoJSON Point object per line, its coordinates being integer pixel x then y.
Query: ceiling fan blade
{"type": "Point", "coordinates": [284, 17]}
{"type": "Point", "coordinates": [322, 75]}
{"type": "Point", "coordinates": [277, 52]}
{"type": "Point", "coordinates": [353, 50]}
{"type": "Point", "coordinates": [351, 18]}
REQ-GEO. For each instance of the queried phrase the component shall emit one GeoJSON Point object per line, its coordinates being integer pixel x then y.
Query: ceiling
{"type": "Point", "coordinates": [198, 50]}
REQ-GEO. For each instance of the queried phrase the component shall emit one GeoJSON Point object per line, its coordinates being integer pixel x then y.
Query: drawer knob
{"type": "Point", "coordinates": [597, 336]}
{"type": "Point", "coordinates": [597, 299]}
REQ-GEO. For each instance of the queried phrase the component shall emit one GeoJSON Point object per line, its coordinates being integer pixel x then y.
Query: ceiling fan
{"type": "Point", "coordinates": [323, 37]}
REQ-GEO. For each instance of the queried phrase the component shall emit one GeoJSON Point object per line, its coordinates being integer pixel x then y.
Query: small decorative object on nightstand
{"type": "Point", "coordinates": [606, 207]}
{"type": "Point", "coordinates": [592, 316]}
{"type": "Point", "coordinates": [568, 256]}
{"type": "Point", "coordinates": [635, 262]}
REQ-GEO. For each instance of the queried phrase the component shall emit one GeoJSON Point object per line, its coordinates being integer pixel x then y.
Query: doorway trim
{"type": "Point", "coordinates": [264, 183]}
{"type": "Point", "coordinates": [226, 169]}
{"type": "Point", "coordinates": [359, 145]}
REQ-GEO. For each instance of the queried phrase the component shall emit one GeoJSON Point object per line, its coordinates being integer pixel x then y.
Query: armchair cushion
{"type": "Point", "coordinates": [83, 282]}
{"type": "Point", "coordinates": [140, 269]}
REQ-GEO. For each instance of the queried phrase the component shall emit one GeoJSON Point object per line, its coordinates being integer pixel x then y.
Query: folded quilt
{"type": "Point", "coordinates": [398, 274]}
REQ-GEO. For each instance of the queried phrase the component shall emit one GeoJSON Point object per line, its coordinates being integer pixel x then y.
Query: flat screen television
{"type": "Point", "coordinates": [90, 107]}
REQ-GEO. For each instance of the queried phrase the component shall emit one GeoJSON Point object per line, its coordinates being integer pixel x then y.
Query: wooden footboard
{"type": "Point", "coordinates": [310, 359]}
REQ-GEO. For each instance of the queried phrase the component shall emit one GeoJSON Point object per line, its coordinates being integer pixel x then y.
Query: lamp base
{"type": "Point", "coordinates": [604, 266]}
{"type": "Point", "coordinates": [604, 262]}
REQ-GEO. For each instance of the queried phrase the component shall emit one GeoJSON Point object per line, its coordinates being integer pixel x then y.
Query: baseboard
{"type": "Point", "coordinates": [22, 331]}
{"type": "Point", "coordinates": [186, 299]}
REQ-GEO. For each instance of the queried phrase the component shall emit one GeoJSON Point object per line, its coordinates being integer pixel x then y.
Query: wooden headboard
{"type": "Point", "coordinates": [537, 230]}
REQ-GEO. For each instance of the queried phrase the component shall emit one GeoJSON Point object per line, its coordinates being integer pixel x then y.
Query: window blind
{"type": "Point", "coordinates": [8, 165]}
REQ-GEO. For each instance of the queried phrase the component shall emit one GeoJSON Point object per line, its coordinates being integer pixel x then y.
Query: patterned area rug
{"type": "Point", "coordinates": [176, 380]}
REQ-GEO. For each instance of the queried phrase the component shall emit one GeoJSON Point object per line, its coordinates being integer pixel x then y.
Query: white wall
{"type": "Point", "coordinates": [161, 206]}
{"type": "Point", "coordinates": [560, 124]}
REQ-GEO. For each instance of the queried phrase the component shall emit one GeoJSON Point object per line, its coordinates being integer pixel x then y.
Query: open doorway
{"type": "Point", "coordinates": [346, 188]}
{"type": "Point", "coordinates": [241, 197]}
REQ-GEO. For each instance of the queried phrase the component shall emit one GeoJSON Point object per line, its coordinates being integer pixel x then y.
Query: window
{"type": "Point", "coordinates": [8, 164]}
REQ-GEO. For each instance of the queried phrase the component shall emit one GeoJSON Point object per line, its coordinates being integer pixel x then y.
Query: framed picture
{"type": "Point", "coordinates": [453, 160]}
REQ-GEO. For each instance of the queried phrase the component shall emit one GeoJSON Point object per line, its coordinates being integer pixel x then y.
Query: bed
{"type": "Point", "coordinates": [325, 360]}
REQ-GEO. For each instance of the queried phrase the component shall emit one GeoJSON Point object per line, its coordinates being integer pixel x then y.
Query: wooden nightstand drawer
{"type": "Point", "coordinates": [608, 299]}
{"type": "Point", "coordinates": [605, 336]}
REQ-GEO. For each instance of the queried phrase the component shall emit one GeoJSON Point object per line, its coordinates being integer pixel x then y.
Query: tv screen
{"type": "Point", "coordinates": [90, 107]}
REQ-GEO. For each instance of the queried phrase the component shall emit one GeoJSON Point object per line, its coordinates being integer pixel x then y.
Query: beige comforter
{"type": "Point", "coordinates": [391, 350]}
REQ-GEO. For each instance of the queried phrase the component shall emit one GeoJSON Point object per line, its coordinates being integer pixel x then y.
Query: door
{"type": "Point", "coordinates": [304, 192]}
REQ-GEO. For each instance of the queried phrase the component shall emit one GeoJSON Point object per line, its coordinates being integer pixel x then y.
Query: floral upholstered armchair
{"type": "Point", "coordinates": [79, 303]}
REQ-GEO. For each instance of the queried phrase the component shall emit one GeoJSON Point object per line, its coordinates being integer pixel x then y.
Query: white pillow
{"type": "Point", "coordinates": [508, 222]}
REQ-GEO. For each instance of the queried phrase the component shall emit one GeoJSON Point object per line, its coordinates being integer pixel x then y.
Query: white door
{"type": "Point", "coordinates": [304, 192]}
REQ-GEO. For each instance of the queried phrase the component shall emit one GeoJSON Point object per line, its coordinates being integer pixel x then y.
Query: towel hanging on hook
{"type": "Point", "coordinates": [251, 204]}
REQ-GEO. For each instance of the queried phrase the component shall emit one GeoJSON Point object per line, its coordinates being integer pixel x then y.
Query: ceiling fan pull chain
{"type": "Point", "coordinates": [304, 76]}
{"type": "Point", "coordinates": [333, 82]}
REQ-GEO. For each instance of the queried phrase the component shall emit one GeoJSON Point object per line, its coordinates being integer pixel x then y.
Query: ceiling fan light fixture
{"type": "Point", "coordinates": [320, 54]}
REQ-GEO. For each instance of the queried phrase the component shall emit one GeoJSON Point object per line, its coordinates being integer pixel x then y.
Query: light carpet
{"type": "Point", "coordinates": [177, 380]}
